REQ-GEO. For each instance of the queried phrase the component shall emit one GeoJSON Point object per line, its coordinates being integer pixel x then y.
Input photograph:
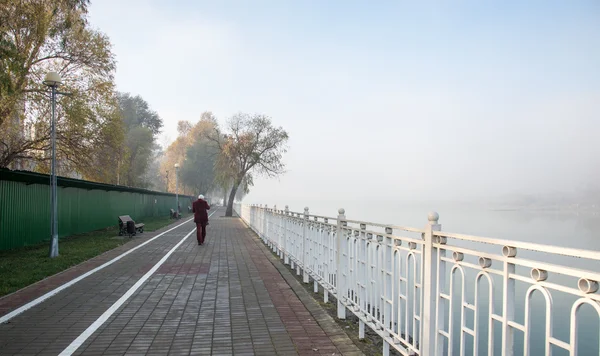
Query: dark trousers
{"type": "Point", "coordinates": [201, 231]}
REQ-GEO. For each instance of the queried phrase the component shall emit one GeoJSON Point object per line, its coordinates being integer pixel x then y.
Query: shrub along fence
{"type": "Point", "coordinates": [83, 206]}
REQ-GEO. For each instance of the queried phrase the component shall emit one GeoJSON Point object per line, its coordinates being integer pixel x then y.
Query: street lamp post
{"type": "Point", "coordinates": [167, 181]}
{"type": "Point", "coordinates": [177, 187]}
{"type": "Point", "coordinates": [53, 80]}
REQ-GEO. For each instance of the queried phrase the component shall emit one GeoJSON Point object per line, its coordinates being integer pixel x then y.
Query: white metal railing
{"type": "Point", "coordinates": [428, 292]}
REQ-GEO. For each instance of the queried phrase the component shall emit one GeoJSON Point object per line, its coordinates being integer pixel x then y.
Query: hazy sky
{"type": "Point", "coordinates": [392, 100]}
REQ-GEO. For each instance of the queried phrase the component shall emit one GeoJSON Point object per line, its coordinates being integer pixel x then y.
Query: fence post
{"type": "Point", "coordinates": [341, 265]}
{"type": "Point", "coordinates": [292, 239]}
{"type": "Point", "coordinates": [297, 247]}
{"type": "Point", "coordinates": [259, 222]}
{"type": "Point", "coordinates": [263, 217]}
{"type": "Point", "coordinates": [279, 220]}
{"type": "Point", "coordinates": [268, 233]}
{"type": "Point", "coordinates": [255, 219]}
{"type": "Point", "coordinates": [304, 249]}
{"type": "Point", "coordinates": [275, 232]}
{"type": "Point", "coordinates": [268, 229]}
{"type": "Point", "coordinates": [317, 255]}
{"type": "Point", "coordinates": [428, 332]}
{"type": "Point", "coordinates": [286, 257]}
{"type": "Point", "coordinates": [508, 307]}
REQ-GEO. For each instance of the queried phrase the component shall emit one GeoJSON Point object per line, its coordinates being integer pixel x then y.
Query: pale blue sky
{"type": "Point", "coordinates": [387, 99]}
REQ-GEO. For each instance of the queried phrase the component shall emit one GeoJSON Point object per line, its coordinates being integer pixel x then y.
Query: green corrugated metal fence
{"type": "Point", "coordinates": [82, 206]}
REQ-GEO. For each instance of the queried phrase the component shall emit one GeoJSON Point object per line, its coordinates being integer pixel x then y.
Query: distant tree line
{"type": "Point", "coordinates": [224, 161]}
{"type": "Point", "coordinates": [104, 135]}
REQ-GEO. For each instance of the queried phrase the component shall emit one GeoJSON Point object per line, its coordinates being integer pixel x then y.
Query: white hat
{"type": "Point", "coordinates": [200, 196]}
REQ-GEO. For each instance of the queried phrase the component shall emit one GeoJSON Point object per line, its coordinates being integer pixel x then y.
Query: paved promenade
{"type": "Point", "coordinates": [173, 297]}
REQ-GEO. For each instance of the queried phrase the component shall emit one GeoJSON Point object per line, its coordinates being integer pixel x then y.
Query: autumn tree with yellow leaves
{"type": "Point", "coordinates": [53, 35]}
{"type": "Point", "coordinates": [107, 136]}
{"type": "Point", "coordinates": [225, 161]}
{"type": "Point", "coordinates": [194, 156]}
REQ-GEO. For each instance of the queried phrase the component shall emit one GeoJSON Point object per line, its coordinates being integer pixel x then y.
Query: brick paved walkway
{"type": "Point", "coordinates": [228, 297]}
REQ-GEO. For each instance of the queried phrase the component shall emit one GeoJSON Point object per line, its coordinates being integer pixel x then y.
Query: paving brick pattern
{"type": "Point", "coordinates": [23, 296]}
{"type": "Point", "coordinates": [53, 324]}
{"type": "Point", "coordinates": [226, 297]}
{"type": "Point", "coordinates": [311, 328]}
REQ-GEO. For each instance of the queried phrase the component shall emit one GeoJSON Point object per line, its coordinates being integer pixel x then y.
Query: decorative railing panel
{"type": "Point", "coordinates": [430, 292]}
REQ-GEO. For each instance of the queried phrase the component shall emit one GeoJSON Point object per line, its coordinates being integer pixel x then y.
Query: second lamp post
{"type": "Point", "coordinates": [53, 80]}
{"type": "Point", "coordinates": [177, 187]}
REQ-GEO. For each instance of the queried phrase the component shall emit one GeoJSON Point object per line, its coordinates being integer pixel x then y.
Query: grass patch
{"type": "Point", "coordinates": [27, 265]}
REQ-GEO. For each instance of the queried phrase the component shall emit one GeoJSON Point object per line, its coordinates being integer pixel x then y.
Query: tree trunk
{"type": "Point", "coordinates": [229, 211]}
{"type": "Point", "coordinates": [224, 196]}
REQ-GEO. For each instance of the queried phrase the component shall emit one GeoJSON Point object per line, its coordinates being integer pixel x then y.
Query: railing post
{"type": "Point", "coordinates": [280, 232]}
{"type": "Point", "coordinates": [276, 223]}
{"type": "Point", "coordinates": [441, 311]}
{"type": "Point", "coordinates": [508, 309]}
{"type": "Point", "coordinates": [271, 231]}
{"type": "Point", "coordinates": [317, 255]}
{"type": "Point", "coordinates": [286, 257]}
{"type": "Point", "coordinates": [329, 259]}
{"type": "Point", "coordinates": [341, 265]}
{"type": "Point", "coordinates": [253, 222]}
{"type": "Point", "coordinates": [259, 221]}
{"type": "Point", "coordinates": [305, 260]}
{"type": "Point", "coordinates": [255, 219]}
{"type": "Point", "coordinates": [267, 228]}
{"type": "Point", "coordinates": [263, 220]}
{"type": "Point", "coordinates": [290, 237]}
{"type": "Point", "coordinates": [297, 247]}
{"type": "Point", "coordinates": [428, 332]}
{"type": "Point", "coordinates": [275, 232]}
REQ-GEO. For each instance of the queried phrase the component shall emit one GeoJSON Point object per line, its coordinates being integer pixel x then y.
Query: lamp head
{"type": "Point", "coordinates": [52, 79]}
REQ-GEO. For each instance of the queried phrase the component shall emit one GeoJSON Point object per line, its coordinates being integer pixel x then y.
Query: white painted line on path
{"type": "Point", "coordinates": [55, 291]}
{"type": "Point", "coordinates": [113, 308]}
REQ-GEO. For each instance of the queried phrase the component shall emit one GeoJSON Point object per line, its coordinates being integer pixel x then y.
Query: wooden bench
{"type": "Point", "coordinates": [123, 226]}
{"type": "Point", "coordinates": [175, 215]}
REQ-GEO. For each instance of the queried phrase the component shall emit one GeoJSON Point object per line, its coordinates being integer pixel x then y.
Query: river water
{"type": "Point", "coordinates": [569, 229]}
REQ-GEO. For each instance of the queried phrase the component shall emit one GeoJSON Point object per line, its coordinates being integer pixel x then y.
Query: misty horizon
{"type": "Point", "coordinates": [393, 101]}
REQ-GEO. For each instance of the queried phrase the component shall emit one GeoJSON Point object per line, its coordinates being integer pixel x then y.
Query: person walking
{"type": "Point", "coordinates": [199, 207]}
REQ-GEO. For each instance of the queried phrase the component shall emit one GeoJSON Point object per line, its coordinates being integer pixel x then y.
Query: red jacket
{"type": "Point", "coordinates": [199, 207]}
